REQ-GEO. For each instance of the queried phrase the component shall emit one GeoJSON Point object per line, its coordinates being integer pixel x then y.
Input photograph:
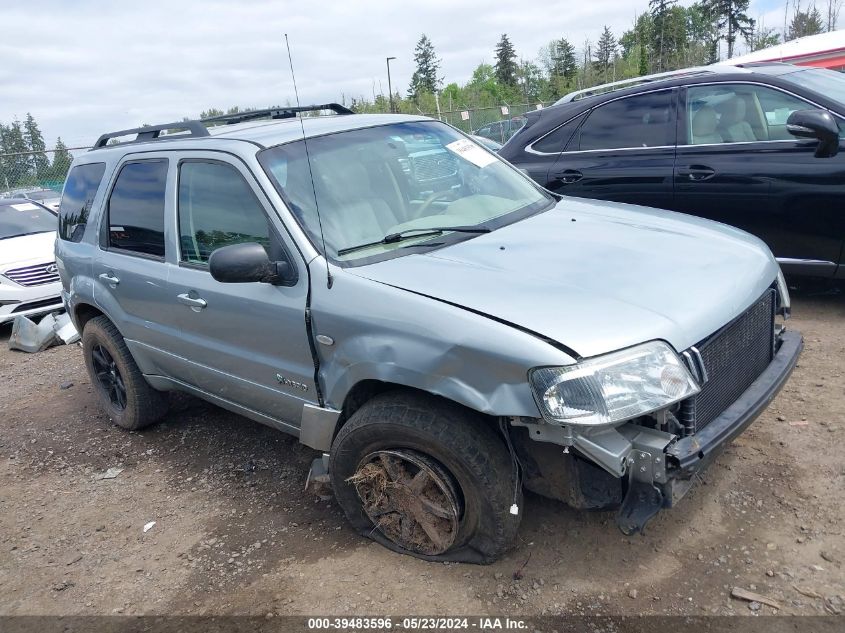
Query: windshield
{"type": "Point", "coordinates": [829, 83]}
{"type": "Point", "coordinates": [394, 179]}
{"type": "Point", "coordinates": [25, 218]}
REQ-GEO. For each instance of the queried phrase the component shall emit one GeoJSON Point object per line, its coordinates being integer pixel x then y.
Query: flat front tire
{"type": "Point", "coordinates": [427, 478]}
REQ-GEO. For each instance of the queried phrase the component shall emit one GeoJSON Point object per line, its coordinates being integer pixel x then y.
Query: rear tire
{"type": "Point", "coordinates": [123, 393]}
{"type": "Point", "coordinates": [427, 478]}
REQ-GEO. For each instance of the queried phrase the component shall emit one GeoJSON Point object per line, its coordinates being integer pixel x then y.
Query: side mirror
{"type": "Point", "coordinates": [817, 124]}
{"type": "Point", "coordinates": [244, 263]}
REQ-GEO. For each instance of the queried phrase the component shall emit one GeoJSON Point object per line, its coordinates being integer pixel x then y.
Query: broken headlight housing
{"type": "Point", "coordinates": [784, 306]}
{"type": "Point", "coordinates": [614, 387]}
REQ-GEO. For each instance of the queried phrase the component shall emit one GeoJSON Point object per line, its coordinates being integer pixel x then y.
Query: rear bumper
{"type": "Point", "coordinates": [690, 453]}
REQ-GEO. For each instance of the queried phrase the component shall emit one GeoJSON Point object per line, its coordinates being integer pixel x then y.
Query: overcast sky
{"type": "Point", "coordinates": [83, 67]}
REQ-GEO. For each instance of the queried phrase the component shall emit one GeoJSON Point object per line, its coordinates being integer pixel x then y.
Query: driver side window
{"type": "Point", "coordinates": [734, 113]}
{"type": "Point", "coordinates": [216, 208]}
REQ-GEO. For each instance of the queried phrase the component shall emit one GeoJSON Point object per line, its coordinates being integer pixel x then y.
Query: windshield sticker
{"type": "Point", "coordinates": [25, 206]}
{"type": "Point", "coordinates": [471, 152]}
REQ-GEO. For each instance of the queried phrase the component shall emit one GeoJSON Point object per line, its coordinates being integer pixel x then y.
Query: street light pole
{"type": "Point", "coordinates": [389, 85]}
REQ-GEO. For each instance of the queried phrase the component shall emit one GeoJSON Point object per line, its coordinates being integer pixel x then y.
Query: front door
{"type": "Point", "coordinates": [623, 151]}
{"type": "Point", "coordinates": [736, 163]}
{"type": "Point", "coordinates": [247, 342]}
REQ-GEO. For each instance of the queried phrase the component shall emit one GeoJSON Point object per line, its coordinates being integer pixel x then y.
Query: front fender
{"type": "Point", "coordinates": [395, 336]}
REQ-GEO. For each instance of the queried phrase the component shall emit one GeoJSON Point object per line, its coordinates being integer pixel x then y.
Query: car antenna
{"type": "Point", "coordinates": [310, 173]}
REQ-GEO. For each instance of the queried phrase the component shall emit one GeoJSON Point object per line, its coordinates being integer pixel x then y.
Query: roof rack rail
{"type": "Point", "coordinates": [628, 83]}
{"type": "Point", "coordinates": [152, 132]}
{"type": "Point", "coordinates": [198, 128]}
{"type": "Point", "coordinates": [286, 112]}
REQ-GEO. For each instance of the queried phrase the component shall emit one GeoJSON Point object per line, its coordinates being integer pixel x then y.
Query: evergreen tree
{"type": "Point", "coordinates": [424, 79]}
{"type": "Point", "coordinates": [660, 16]}
{"type": "Point", "coordinates": [605, 52]}
{"type": "Point", "coordinates": [506, 66]}
{"type": "Point", "coordinates": [561, 66]}
{"type": "Point", "coordinates": [61, 161]}
{"type": "Point", "coordinates": [17, 165]}
{"type": "Point", "coordinates": [731, 20]}
{"type": "Point", "coordinates": [808, 22]}
{"type": "Point", "coordinates": [35, 143]}
{"type": "Point", "coordinates": [563, 62]}
{"type": "Point", "coordinates": [635, 44]}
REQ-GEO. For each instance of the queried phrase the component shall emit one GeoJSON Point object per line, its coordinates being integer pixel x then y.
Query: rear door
{"type": "Point", "coordinates": [736, 163]}
{"type": "Point", "coordinates": [247, 342]}
{"type": "Point", "coordinates": [130, 270]}
{"type": "Point", "coordinates": [623, 151]}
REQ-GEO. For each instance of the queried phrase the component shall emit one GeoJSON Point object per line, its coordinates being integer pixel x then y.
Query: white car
{"type": "Point", "coordinates": [29, 279]}
{"type": "Point", "coordinates": [47, 197]}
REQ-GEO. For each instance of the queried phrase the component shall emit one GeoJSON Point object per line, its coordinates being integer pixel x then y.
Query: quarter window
{"type": "Point", "coordinates": [136, 208]}
{"type": "Point", "coordinates": [734, 113]}
{"type": "Point", "coordinates": [556, 141]}
{"type": "Point", "coordinates": [77, 197]}
{"type": "Point", "coordinates": [216, 208]}
{"type": "Point", "coordinates": [638, 121]}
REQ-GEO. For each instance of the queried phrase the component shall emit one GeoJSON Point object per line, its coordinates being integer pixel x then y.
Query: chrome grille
{"type": "Point", "coordinates": [434, 166]}
{"type": "Point", "coordinates": [35, 275]}
{"type": "Point", "coordinates": [734, 357]}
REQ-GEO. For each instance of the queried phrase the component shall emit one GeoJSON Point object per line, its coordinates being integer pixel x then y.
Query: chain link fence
{"type": "Point", "coordinates": [35, 174]}
{"type": "Point", "coordinates": [497, 123]}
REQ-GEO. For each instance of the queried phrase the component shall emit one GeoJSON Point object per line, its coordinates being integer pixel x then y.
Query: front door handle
{"type": "Point", "coordinates": [193, 302]}
{"type": "Point", "coordinates": [568, 176]}
{"type": "Point", "coordinates": [697, 173]}
{"type": "Point", "coordinates": [110, 279]}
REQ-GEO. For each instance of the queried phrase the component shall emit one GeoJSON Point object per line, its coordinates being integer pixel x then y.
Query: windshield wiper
{"type": "Point", "coordinates": [408, 234]}
{"type": "Point", "coordinates": [8, 237]}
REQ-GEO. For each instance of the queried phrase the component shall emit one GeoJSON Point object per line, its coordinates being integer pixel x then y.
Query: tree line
{"type": "Point", "coordinates": [23, 157]}
{"type": "Point", "coordinates": [667, 36]}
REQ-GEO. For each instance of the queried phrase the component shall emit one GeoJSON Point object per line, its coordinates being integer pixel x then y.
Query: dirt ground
{"type": "Point", "coordinates": [234, 532]}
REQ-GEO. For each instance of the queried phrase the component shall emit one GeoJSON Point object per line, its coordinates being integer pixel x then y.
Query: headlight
{"type": "Point", "coordinates": [783, 295]}
{"type": "Point", "coordinates": [614, 387]}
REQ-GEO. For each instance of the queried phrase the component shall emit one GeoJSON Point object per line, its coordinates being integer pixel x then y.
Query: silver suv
{"type": "Point", "coordinates": [442, 330]}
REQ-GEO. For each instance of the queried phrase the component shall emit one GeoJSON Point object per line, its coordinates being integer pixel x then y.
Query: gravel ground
{"type": "Point", "coordinates": [235, 534]}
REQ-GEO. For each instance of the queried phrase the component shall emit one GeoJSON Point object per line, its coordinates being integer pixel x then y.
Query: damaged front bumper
{"type": "Point", "coordinates": [657, 466]}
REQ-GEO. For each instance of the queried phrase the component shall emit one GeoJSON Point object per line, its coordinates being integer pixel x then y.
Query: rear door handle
{"type": "Point", "coordinates": [568, 176]}
{"type": "Point", "coordinates": [697, 172]}
{"type": "Point", "coordinates": [193, 302]}
{"type": "Point", "coordinates": [110, 279]}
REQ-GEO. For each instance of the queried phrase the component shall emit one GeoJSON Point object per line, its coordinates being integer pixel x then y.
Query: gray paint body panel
{"type": "Point", "coordinates": [466, 322]}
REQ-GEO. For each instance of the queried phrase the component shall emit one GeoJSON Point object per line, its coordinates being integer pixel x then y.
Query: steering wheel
{"type": "Point", "coordinates": [429, 201]}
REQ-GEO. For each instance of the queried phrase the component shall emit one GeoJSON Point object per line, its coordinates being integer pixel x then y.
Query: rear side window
{"type": "Point", "coordinates": [77, 198]}
{"type": "Point", "coordinates": [554, 142]}
{"type": "Point", "coordinates": [216, 208]}
{"type": "Point", "coordinates": [136, 208]}
{"type": "Point", "coordinates": [638, 121]}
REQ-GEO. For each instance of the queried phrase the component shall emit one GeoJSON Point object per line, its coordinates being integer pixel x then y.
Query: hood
{"type": "Point", "coordinates": [26, 250]}
{"type": "Point", "coordinates": [596, 276]}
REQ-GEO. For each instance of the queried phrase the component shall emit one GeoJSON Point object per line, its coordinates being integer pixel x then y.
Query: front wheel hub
{"type": "Point", "coordinates": [410, 498]}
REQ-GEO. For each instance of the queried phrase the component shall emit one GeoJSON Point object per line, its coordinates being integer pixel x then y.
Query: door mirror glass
{"type": "Point", "coordinates": [818, 124]}
{"type": "Point", "coordinates": [245, 263]}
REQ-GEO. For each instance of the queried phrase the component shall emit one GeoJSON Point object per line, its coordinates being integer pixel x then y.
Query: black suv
{"type": "Point", "coordinates": [755, 146]}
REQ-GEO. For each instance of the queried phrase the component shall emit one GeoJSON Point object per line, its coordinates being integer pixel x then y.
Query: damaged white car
{"type": "Point", "coordinates": [29, 278]}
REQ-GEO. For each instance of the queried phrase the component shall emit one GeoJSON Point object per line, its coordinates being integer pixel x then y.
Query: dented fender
{"type": "Point", "coordinates": [379, 332]}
